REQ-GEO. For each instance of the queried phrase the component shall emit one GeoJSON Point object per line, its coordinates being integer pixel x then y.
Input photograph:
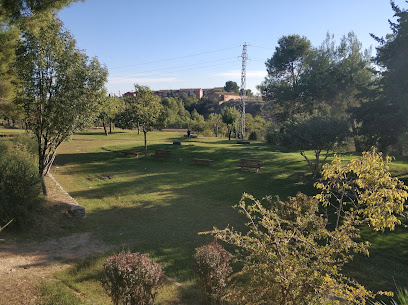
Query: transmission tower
{"type": "Point", "coordinates": [243, 87]}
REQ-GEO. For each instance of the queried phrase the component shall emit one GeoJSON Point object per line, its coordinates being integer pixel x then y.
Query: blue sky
{"type": "Point", "coordinates": [175, 44]}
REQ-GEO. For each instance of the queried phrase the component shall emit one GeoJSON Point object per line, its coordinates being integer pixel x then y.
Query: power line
{"type": "Point", "coordinates": [174, 72]}
{"type": "Point", "coordinates": [171, 68]}
{"type": "Point", "coordinates": [262, 47]}
{"type": "Point", "coordinates": [173, 58]}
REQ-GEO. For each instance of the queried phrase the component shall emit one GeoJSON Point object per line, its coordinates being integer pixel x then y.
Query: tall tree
{"type": "Point", "coordinates": [144, 111]}
{"type": "Point", "coordinates": [61, 87]}
{"type": "Point", "coordinates": [215, 120]}
{"type": "Point", "coordinates": [9, 36]}
{"type": "Point", "coordinates": [304, 80]}
{"type": "Point", "coordinates": [284, 69]}
{"type": "Point", "coordinates": [383, 116]}
{"type": "Point", "coordinates": [231, 86]}
{"type": "Point", "coordinates": [229, 116]}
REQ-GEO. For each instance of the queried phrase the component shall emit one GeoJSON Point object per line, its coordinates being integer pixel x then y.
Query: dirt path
{"type": "Point", "coordinates": [24, 265]}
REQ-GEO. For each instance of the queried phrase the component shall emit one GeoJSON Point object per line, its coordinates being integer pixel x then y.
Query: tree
{"type": "Point", "coordinates": [110, 106]}
{"type": "Point", "coordinates": [289, 256]}
{"type": "Point", "coordinates": [61, 87]}
{"type": "Point", "coordinates": [304, 80]}
{"type": "Point", "coordinates": [317, 134]}
{"type": "Point", "coordinates": [383, 116]}
{"type": "Point", "coordinates": [215, 120]}
{"type": "Point", "coordinates": [143, 111]}
{"type": "Point", "coordinates": [363, 191]}
{"type": "Point", "coordinates": [231, 86]}
{"type": "Point", "coordinates": [284, 69]}
{"type": "Point", "coordinates": [229, 116]}
{"type": "Point", "coordinates": [15, 10]}
{"type": "Point", "coordinates": [291, 253]}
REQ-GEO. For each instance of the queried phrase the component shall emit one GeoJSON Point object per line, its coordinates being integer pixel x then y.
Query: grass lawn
{"type": "Point", "coordinates": [159, 206]}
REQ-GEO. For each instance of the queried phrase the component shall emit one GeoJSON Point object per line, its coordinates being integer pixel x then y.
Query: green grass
{"type": "Point", "coordinates": [160, 206]}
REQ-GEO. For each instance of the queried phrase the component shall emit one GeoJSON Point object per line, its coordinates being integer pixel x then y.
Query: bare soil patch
{"type": "Point", "coordinates": [25, 264]}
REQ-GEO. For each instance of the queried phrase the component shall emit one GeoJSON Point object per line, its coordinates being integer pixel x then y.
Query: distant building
{"type": "Point", "coordinates": [222, 97]}
{"type": "Point", "coordinates": [127, 94]}
{"type": "Point", "coordinates": [197, 92]}
{"type": "Point", "coordinates": [219, 95]}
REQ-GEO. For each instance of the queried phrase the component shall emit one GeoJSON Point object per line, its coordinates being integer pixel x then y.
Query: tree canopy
{"type": "Point", "coordinates": [231, 86]}
{"type": "Point", "coordinates": [60, 87]}
{"type": "Point", "coordinates": [143, 111]}
{"type": "Point", "coordinates": [383, 115]}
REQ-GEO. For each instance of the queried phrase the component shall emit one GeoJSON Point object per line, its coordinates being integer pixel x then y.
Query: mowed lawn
{"type": "Point", "coordinates": [160, 206]}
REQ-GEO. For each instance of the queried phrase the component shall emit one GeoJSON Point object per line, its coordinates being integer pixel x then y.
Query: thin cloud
{"type": "Point", "coordinates": [249, 74]}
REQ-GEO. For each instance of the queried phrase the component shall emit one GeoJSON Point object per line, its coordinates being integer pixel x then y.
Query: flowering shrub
{"type": "Point", "coordinates": [132, 278]}
{"type": "Point", "coordinates": [212, 265]}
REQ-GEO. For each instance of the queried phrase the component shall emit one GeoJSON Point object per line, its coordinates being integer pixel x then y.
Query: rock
{"type": "Point", "coordinates": [176, 142]}
{"type": "Point", "coordinates": [77, 211]}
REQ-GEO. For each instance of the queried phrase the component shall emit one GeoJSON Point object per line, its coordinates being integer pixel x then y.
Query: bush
{"type": "Point", "coordinates": [212, 265]}
{"type": "Point", "coordinates": [132, 278]}
{"type": "Point", "coordinates": [20, 185]}
{"type": "Point", "coordinates": [253, 136]}
{"type": "Point", "coordinates": [274, 137]}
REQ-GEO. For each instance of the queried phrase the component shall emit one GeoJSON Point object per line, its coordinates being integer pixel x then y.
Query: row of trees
{"type": "Point", "coordinates": [145, 111]}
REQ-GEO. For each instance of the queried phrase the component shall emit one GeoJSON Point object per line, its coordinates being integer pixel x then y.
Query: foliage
{"type": "Point", "coordinates": [20, 185]}
{"type": "Point", "coordinates": [8, 42]}
{"type": "Point", "coordinates": [402, 299]}
{"type": "Point", "coordinates": [132, 278]}
{"type": "Point", "coordinates": [318, 134]}
{"type": "Point", "coordinates": [16, 10]}
{"type": "Point", "coordinates": [304, 80]}
{"type": "Point", "coordinates": [3, 227]}
{"type": "Point", "coordinates": [142, 111]}
{"type": "Point", "coordinates": [109, 107]}
{"type": "Point", "coordinates": [212, 266]}
{"type": "Point", "coordinates": [363, 191]}
{"type": "Point", "coordinates": [253, 136]}
{"type": "Point", "coordinates": [382, 117]}
{"type": "Point", "coordinates": [215, 121]}
{"type": "Point", "coordinates": [255, 126]}
{"type": "Point", "coordinates": [290, 257]}
{"type": "Point", "coordinates": [230, 115]}
{"type": "Point", "coordinates": [231, 86]}
{"type": "Point", "coordinates": [61, 87]}
{"type": "Point", "coordinates": [175, 113]}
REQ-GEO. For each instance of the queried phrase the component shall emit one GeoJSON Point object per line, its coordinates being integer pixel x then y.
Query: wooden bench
{"type": "Point", "coordinates": [202, 161]}
{"type": "Point", "coordinates": [160, 153]}
{"type": "Point", "coordinates": [125, 152]}
{"type": "Point", "coordinates": [134, 153]}
{"type": "Point", "coordinates": [250, 163]}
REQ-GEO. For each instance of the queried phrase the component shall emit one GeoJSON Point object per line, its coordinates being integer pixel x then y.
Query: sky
{"type": "Point", "coordinates": [172, 44]}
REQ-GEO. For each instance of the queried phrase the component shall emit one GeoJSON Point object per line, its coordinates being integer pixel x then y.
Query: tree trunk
{"type": "Point", "coordinates": [145, 143]}
{"type": "Point", "coordinates": [41, 171]}
{"type": "Point", "coordinates": [110, 126]}
{"type": "Point", "coordinates": [104, 127]}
